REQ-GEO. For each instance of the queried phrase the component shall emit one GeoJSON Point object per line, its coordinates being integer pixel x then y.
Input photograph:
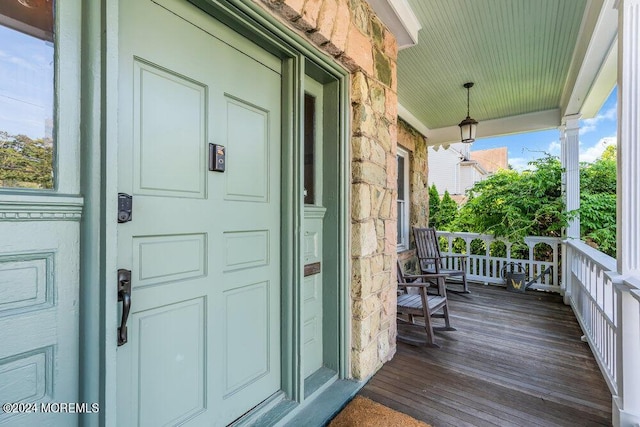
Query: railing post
{"type": "Point", "coordinates": [565, 280]}
{"type": "Point", "coordinates": [554, 279]}
{"type": "Point", "coordinates": [487, 257]}
{"type": "Point", "coordinates": [532, 268]}
{"type": "Point", "coordinates": [626, 411]}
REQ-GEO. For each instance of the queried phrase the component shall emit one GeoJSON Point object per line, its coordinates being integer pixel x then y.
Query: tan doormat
{"type": "Point", "coordinates": [367, 413]}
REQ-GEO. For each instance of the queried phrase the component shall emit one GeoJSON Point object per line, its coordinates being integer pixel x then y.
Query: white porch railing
{"type": "Point", "coordinates": [487, 268]}
{"type": "Point", "coordinates": [591, 293]}
{"type": "Point", "coordinates": [606, 305]}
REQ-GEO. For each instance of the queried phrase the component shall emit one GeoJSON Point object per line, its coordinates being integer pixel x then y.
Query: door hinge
{"type": "Point", "coordinates": [125, 207]}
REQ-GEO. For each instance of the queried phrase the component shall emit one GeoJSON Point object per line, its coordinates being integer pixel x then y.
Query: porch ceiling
{"type": "Point", "coordinates": [532, 62]}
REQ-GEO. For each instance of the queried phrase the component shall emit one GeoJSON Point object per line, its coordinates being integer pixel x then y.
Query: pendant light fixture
{"type": "Point", "coordinates": [468, 125]}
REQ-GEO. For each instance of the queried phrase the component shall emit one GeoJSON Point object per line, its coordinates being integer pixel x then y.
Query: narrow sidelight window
{"type": "Point", "coordinates": [403, 200]}
{"type": "Point", "coordinates": [26, 93]}
{"type": "Point", "coordinates": [309, 149]}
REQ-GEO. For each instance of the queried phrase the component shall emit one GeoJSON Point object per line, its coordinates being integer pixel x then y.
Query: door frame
{"type": "Point", "coordinates": [99, 184]}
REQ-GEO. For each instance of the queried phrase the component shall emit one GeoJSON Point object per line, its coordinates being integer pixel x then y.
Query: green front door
{"type": "Point", "coordinates": [203, 247]}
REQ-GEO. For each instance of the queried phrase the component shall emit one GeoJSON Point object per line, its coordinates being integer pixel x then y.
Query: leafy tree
{"type": "Point", "coordinates": [447, 212]}
{"type": "Point", "coordinates": [598, 202]}
{"type": "Point", "coordinates": [434, 205]}
{"type": "Point", "coordinates": [25, 162]}
{"type": "Point", "coordinates": [513, 204]}
{"type": "Point", "coordinates": [609, 153]}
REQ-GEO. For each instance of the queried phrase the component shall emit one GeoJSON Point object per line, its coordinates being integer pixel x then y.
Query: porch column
{"type": "Point", "coordinates": [628, 208]}
{"type": "Point", "coordinates": [627, 404]}
{"type": "Point", "coordinates": [569, 157]}
{"type": "Point", "coordinates": [570, 154]}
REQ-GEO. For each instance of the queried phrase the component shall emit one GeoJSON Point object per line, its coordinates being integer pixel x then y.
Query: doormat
{"type": "Point", "coordinates": [363, 412]}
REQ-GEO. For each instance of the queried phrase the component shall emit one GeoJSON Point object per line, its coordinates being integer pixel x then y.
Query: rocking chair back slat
{"type": "Point", "coordinates": [431, 260]}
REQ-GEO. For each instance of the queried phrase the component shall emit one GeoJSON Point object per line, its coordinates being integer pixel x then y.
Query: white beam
{"type": "Point", "coordinates": [530, 122]}
{"type": "Point", "coordinates": [591, 74]}
{"type": "Point", "coordinates": [398, 16]}
{"type": "Point", "coordinates": [408, 117]}
{"type": "Point", "coordinates": [604, 83]}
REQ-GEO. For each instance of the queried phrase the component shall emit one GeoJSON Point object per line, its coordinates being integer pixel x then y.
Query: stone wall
{"type": "Point", "coordinates": [349, 31]}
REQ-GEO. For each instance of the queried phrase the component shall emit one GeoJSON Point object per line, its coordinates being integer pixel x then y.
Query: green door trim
{"type": "Point", "coordinates": [99, 185]}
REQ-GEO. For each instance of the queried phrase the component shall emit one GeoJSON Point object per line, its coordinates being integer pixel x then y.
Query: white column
{"type": "Point", "coordinates": [570, 159]}
{"type": "Point", "coordinates": [570, 141]}
{"type": "Point", "coordinates": [565, 289]}
{"type": "Point", "coordinates": [628, 208]}
{"type": "Point", "coordinates": [626, 409]}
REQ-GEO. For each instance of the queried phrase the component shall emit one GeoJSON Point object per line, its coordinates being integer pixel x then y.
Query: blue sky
{"type": "Point", "coordinates": [26, 84]}
{"type": "Point", "coordinates": [595, 135]}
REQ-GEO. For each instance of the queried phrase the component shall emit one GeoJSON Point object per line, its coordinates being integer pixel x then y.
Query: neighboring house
{"type": "Point", "coordinates": [232, 188]}
{"type": "Point", "coordinates": [491, 159]}
{"type": "Point", "coordinates": [456, 168]}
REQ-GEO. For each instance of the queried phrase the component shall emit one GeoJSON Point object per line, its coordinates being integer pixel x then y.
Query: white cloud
{"type": "Point", "coordinates": [589, 125]}
{"type": "Point", "coordinates": [554, 148]}
{"type": "Point", "coordinates": [591, 154]}
{"type": "Point", "coordinates": [519, 163]}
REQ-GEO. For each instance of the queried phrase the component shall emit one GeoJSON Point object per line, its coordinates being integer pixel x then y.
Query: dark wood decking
{"type": "Point", "coordinates": [515, 360]}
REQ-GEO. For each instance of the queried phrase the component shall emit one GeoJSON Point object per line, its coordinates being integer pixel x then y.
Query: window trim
{"type": "Point", "coordinates": [404, 237]}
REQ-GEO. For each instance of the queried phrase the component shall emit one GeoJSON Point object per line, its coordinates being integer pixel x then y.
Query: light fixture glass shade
{"type": "Point", "coordinates": [468, 130]}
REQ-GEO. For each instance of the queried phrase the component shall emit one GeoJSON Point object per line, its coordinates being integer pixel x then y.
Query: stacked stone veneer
{"type": "Point", "coordinates": [349, 31]}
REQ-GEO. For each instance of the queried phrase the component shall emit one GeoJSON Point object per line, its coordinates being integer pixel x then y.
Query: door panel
{"type": "Point", "coordinates": [159, 125]}
{"type": "Point", "coordinates": [312, 292]}
{"type": "Point", "coordinates": [171, 372]}
{"type": "Point", "coordinates": [246, 249]}
{"type": "Point", "coordinates": [248, 149]}
{"type": "Point", "coordinates": [161, 259]}
{"type": "Point", "coordinates": [38, 318]}
{"type": "Point", "coordinates": [204, 330]}
{"type": "Point", "coordinates": [247, 341]}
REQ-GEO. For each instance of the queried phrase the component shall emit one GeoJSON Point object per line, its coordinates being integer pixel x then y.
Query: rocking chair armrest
{"type": "Point", "coordinates": [462, 259]}
{"type": "Point", "coordinates": [428, 257]}
{"type": "Point", "coordinates": [440, 285]}
{"type": "Point", "coordinates": [426, 276]}
{"type": "Point", "coordinates": [463, 256]}
{"type": "Point", "coordinates": [422, 286]}
{"type": "Point", "coordinates": [414, 284]}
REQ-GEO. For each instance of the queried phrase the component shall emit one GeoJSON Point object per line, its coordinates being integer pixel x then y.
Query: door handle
{"type": "Point", "coordinates": [124, 295]}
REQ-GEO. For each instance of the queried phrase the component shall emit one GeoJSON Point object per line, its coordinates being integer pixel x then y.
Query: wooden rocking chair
{"type": "Point", "coordinates": [423, 305]}
{"type": "Point", "coordinates": [432, 262]}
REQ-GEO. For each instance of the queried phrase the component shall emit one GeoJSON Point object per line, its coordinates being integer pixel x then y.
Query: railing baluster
{"type": "Point", "coordinates": [487, 268]}
{"type": "Point", "coordinates": [593, 298]}
{"type": "Point", "coordinates": [588, 288]}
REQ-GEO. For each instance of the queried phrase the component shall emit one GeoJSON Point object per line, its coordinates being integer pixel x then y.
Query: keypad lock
{"type": "Point", "coordinates": [125, 207]}
{"type": "Point", "coordinates": [217, 158]}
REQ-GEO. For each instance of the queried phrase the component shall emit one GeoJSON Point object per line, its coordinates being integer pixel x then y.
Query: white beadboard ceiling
{"type": "Point", "coordinates": [528, 59]}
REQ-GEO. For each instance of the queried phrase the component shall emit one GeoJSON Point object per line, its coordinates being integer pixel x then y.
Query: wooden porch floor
{"type": "Point", "coordinates": [515, 360]}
